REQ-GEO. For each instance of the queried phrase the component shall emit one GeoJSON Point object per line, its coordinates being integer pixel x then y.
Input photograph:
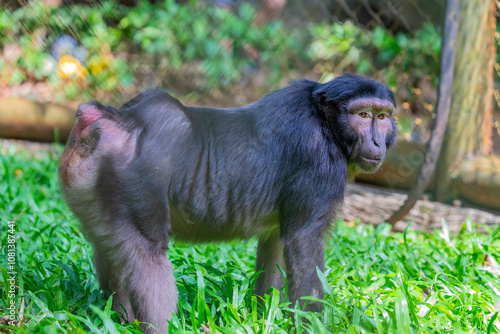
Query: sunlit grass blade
{"type": "Point", "coordinates": [402, 313]}
{"type": "Point", "coordinates": [491, 324]}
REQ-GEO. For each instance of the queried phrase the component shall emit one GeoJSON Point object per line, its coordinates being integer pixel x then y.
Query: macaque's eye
{"type": "Point", "coordinates": [382, 116]}
{"type": "Point", "coordinates": [364, 114]}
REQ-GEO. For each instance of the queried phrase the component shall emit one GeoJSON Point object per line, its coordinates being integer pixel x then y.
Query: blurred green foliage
{"type": "Point", "coordinates": [340, 47]}
{"type": "Point", "coordinates": [199, 47]}
{"type": "Point", "coordinates": [35, 28]}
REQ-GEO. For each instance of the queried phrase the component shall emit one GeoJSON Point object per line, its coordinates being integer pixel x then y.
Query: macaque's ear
{"type": "Point", "coordinates": [322, 97]}
{"type": "Point", "coordinates": [319, 96]}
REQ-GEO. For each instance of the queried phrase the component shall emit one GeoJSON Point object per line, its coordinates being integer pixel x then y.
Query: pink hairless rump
{"type": "Point", "coordinates": [87, 114]}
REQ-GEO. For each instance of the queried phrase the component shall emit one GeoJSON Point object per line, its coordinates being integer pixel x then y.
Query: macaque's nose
{"type": "Point", "coordinates": [377, 137]}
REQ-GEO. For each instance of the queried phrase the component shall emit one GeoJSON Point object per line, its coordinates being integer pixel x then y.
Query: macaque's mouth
{"type": "Point", "coordinates": [373, 160]}
{"type": "Point", "coordinates": [369, 164]}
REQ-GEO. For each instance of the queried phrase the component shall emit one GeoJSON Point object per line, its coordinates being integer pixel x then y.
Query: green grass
{"type": "Point", "coordinates": [376, 282]}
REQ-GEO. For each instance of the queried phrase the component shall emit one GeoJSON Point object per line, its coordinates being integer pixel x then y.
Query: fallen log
{"type": "Point", "coordinates": [25, 119]}
{"type": "Point", "coordinates": [475, 180]}
{"type": "Point", "coordinates": [372, 205]}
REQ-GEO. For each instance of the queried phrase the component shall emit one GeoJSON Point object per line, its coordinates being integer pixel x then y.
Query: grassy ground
{"type": "Point", "coordinates": [376, 282]}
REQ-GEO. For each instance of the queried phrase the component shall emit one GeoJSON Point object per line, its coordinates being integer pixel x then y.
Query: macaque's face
{"type": "Point", "coordinates": [372, 120]}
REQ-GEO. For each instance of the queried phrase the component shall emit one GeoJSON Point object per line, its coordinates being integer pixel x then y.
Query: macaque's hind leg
{"type": "Point", "coordinates": [269, 256]}
{"type": "Point", "coordinates": [110, 281]}
{"type": "Point", "coordinates": [138, 272]}
{"type": "Point", "coordinates": [149, 281]}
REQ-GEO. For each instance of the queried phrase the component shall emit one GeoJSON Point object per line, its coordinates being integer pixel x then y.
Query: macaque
{"type": "Point", "coordinates": [275, 169]}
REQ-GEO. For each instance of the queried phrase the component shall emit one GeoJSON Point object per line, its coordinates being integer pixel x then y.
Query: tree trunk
{"type": "Point", "coordinates": [469, 129]}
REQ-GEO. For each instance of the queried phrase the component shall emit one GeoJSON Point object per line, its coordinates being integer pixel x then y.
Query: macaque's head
{"type": "Point", "coordinates": [359, 113]}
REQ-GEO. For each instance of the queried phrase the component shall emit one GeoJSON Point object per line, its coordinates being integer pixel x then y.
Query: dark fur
{"type": "Point", "coordinates": [275, 169]}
